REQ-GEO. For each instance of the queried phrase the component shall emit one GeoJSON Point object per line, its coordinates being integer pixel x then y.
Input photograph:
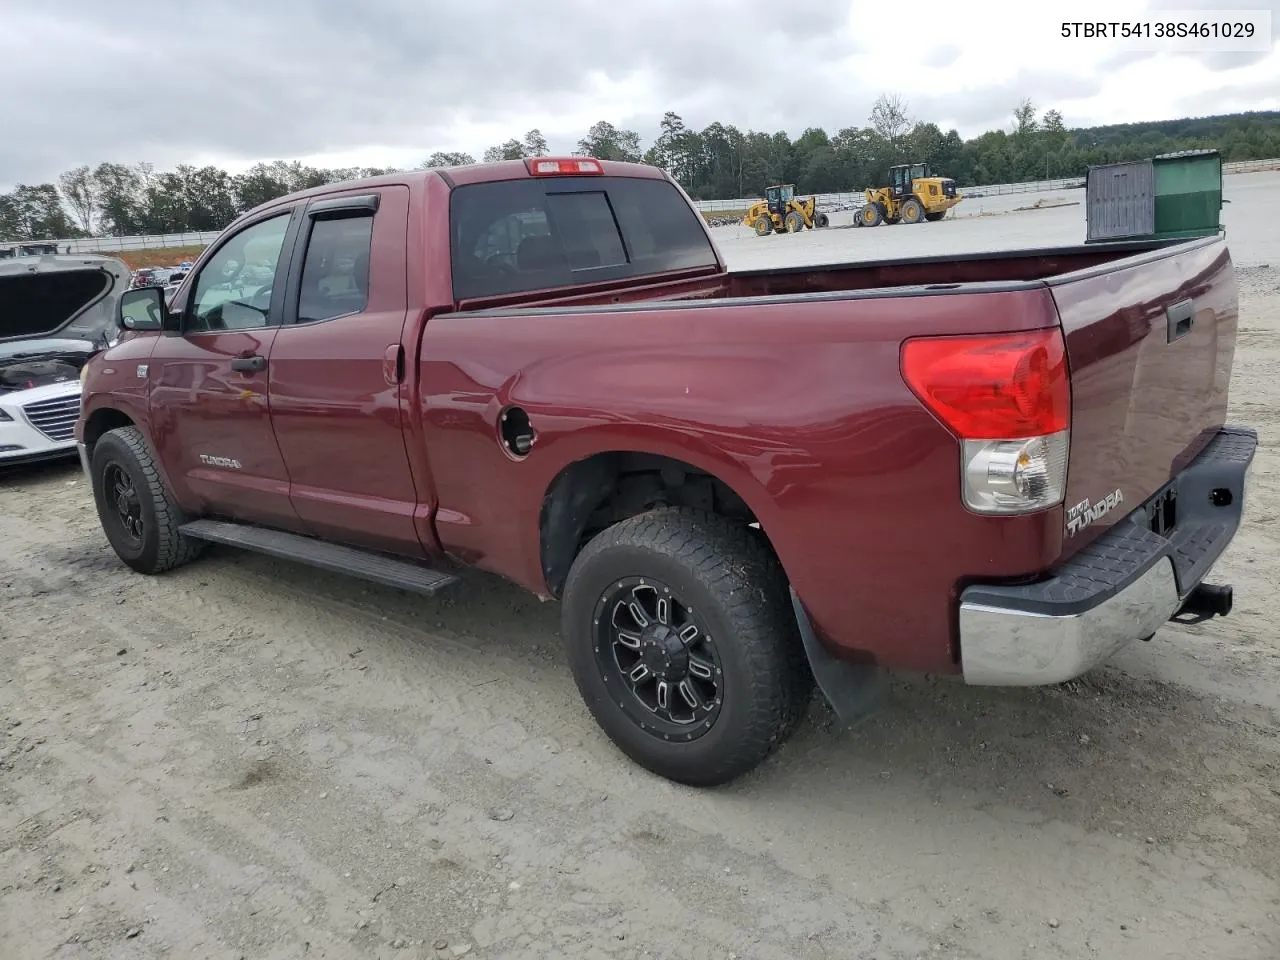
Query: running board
{"type": "Point", "coordinates": [375, 567]}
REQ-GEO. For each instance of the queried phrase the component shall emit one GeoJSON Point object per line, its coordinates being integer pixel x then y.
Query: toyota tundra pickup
{"type": "Point", "coordinates": [735, 483]}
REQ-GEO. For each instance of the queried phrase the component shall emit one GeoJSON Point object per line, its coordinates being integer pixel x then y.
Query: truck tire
{"type": "Point", "coordinates": [764, 226]}
{"type": "Point", "coordinates": [683, 644]}
{"type": "Point", "coordinates": [137, 512]}
{"type": "Point", "coordinates": [911, 211]}
{"type": "Point", "coordinates": [822, 220]}
{"type": "Point", "coordinates": [794, 222]}
{"type": "Point", "coordinates": [935, 217]}
{"type": "Point", "coordinates": [871, 215]}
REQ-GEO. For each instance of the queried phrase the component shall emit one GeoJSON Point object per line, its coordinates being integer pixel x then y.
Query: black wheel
{"type": "Point", "coordinates": [137, 513]}
{"type": "Point", "coordinates": [911, 211]}
{"type": "Point", "coordinates": [934, 217]}
{"type": "Point", "coordinates": [683, 644]}
{"type": "Point", "coordinates": [822, 220]}
{"type": "Point", "coordinates": [871, 215]}
{"type": "Point", "coordinates": [793, 222]}
{"type": "Point", "coordinates": [764, 226]}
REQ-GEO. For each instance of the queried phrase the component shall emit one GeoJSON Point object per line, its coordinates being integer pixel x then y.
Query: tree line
{"type": "Point", "coordinates": [718, 162]}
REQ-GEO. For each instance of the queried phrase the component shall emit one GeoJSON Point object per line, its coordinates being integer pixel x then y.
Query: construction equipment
{"type": "Point", "coordinates": [781, 212]}
{"type": "Point", "coordinates": [913, 195]}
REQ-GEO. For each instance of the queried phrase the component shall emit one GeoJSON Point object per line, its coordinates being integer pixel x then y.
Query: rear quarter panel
{"type": "Point", "coordinates": [796, 403]}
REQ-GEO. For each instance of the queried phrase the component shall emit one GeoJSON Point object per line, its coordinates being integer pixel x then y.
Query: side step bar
{"type": "Point", "coordinates": [375, 567]}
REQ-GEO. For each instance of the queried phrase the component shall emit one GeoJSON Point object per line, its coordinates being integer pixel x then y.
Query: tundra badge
{"type": "Point", "coordinates": [1085, 513]}
{"type": "Point", "coordinates": [220, 461]}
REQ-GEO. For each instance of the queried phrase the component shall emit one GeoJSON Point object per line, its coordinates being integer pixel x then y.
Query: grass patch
{"type": "Point", "coordinates": [156, 256]}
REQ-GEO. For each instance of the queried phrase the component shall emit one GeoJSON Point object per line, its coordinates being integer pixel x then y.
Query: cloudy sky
{"type": "Point", "coordinates": [386, 82]}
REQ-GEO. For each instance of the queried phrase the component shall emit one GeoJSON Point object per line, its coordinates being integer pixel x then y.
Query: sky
{"type": "Point", "coordinates": [387, 82]}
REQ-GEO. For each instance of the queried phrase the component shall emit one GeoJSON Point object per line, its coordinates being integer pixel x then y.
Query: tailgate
{"type": "Point", "coordinates": [1150, 342]}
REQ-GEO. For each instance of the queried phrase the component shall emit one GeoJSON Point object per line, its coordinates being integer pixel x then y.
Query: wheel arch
{"type": "Point", "coordinates": [602, 488]}
{"type": "Point", "coordinates": [102, 420]}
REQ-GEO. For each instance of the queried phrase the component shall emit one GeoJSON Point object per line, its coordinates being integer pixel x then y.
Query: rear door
{"type": "Point", "coordinates": [1150, 347]}
{"type": "Point", "coordinates": [338, 400]}
{"type": "Point", "coordinates": [208, 395]}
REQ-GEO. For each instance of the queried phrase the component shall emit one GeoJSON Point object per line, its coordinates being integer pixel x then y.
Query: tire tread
{"type": "Point", "coordinates": [172, 548]}
{"type": "Point", "coordinates": [735, 565]}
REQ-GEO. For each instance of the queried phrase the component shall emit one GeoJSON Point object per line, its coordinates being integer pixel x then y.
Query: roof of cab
{"type": "Point", "coordinates": [452, 176]}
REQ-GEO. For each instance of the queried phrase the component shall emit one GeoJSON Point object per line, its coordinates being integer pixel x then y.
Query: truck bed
{"type": "Point", "coordinates": [930, 274]}
{"type": "Point", "coordinates": [824, 438]}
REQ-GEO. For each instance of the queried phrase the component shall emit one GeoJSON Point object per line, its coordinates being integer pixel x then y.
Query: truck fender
{"type": "Point", "coordinates": [854, 691]}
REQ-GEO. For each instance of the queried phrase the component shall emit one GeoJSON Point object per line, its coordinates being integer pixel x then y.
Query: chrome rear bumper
{"type": "Point", "coordinates": [1015, 648]}
{"type": "Point", "coordinates": [1120, 587]}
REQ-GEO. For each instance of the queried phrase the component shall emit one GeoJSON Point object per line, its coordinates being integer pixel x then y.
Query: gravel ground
{"type": "Point", "coordinates": [250, 759]}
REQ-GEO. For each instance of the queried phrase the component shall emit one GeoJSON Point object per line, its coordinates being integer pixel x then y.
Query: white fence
{"type": "Point", "coordinates": [159, 241]}
{"type": "Point", "coordinates": [831, 202]}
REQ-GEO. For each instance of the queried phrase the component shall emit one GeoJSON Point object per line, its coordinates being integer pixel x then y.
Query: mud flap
{"type": "Point", "coordinates": [854, 692]}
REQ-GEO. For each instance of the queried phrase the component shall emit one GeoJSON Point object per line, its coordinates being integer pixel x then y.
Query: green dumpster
{"type": "Point", "coordinates": [1188, 193]}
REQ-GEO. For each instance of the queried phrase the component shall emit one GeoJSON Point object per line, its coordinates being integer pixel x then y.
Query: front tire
{"type": "Point", "coordinates": [138, 514]}
{"type": "Point", "coordinates": [684, 645]}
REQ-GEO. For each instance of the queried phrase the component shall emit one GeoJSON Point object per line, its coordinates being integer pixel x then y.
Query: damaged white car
{"type": "Point", "coordinates": [55, 313]}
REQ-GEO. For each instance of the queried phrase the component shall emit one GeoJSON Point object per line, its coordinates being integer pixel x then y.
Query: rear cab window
{"type": "Point", "coordinates": [515, 236]}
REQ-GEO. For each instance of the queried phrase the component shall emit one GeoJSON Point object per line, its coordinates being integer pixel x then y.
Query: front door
{"type": "Point", "coordinates": [338, 400]}
{"type": "Point", "coordinates": [208, 393]}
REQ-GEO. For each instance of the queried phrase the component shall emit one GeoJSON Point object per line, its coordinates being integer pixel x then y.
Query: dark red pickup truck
{"type": "Point", "coordinates": [1002, 466]}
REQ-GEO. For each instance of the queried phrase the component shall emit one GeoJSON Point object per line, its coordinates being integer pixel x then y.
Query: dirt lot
{"type": "Point", "coordinates": [248, 759]}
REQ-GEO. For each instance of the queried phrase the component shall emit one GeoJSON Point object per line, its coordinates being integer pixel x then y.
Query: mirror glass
{"type": "Point", "coordinates": [142, 309]}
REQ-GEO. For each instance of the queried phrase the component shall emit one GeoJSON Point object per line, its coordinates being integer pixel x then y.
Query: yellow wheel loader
{"type": "Point", "coordinates": [781, 212]}
{"type": "Point", "coordinates": [913, 195]}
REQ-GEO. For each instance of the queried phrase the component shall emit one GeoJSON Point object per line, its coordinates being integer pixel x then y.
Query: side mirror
{"type": "Point", "coordinates": [142, 309]}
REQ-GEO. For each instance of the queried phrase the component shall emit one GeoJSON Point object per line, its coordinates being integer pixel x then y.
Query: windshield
{"type": "Point", "coordinates": [522, 235]}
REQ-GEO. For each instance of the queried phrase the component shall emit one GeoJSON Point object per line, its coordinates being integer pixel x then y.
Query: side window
{"type": "Point", "coordinates": [335, 272]}
{"type": "Point", "coordinates": [233, 290]}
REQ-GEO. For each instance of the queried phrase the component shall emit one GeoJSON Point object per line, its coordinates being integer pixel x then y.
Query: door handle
{"type": "Point", "coordinates": [249, 364]}
{"type": "Point", "coordinates": [1179, 317]}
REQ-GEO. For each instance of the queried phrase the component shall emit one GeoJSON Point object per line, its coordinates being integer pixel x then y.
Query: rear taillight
{"type": "Point", "coordinates": [1007, 398]}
